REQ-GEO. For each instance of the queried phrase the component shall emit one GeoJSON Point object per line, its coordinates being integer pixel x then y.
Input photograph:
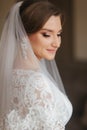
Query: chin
{"type": "Point", "coordinates": [50, 58]}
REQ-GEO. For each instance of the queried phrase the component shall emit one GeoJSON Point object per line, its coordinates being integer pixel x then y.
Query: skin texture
{"type": "Point", "coordinates": [47, 40]}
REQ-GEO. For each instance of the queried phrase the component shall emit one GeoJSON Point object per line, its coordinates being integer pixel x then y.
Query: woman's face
{"type": "Point", "coordinates": [47, 40]}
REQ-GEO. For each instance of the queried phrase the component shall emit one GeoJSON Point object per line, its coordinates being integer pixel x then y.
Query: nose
{"type": "Point", "coordinates": [56, 42]}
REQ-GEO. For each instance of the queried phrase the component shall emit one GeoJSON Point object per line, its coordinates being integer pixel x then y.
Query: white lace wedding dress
{"type": "Point", "coordinates": [36, 104]}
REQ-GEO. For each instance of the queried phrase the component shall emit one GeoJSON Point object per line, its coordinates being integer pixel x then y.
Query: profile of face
{"type": "Point", "coordinates": [47, 40]}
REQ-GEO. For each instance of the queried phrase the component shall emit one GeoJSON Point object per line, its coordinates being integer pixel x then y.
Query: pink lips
{"type": "Point", "coordinates": [51, 50]}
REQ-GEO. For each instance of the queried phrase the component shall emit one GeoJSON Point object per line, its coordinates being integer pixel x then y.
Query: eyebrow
{"type": "Point", "coordinates": [49, 30]}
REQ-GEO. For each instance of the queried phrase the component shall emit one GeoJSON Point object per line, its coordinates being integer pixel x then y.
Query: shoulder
{"type": "Point", "coordinates": [28, 74]}
{"type": "Point", "coordinates": [22, 77]}
{"type": "Point", "coordinates": [34, 84]}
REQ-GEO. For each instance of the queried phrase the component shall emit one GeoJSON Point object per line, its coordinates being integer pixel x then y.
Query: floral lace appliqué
{"type": "Point", "coordinates": [34, 106]}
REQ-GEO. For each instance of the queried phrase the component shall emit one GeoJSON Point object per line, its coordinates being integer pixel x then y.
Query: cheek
{"type": "Point", "coordinates": [34, 42]}
{"type": "Point", "coordinates": [37, 46]}
{"type": "Point", "coordinates": [39, 43]}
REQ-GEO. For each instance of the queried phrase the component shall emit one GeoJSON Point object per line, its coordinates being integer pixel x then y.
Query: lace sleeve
{"type": "Point", "coordinates": [37, 109]}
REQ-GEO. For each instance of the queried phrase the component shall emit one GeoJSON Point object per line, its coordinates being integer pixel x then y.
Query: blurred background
{"type": "Point", "coordinates": [71, 57]}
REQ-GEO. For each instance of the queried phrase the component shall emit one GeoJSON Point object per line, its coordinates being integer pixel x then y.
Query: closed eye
{"type": "Point", "coordinates": [59, 35]}
{"type": "Point", "coordinates": [45, 35]}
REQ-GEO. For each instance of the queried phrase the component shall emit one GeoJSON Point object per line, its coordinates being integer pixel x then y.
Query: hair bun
{"type": "Point", "coordinates": [27, 3]}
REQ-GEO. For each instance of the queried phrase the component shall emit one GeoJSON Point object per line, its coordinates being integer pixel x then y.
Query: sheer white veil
{"type": "Point", "coordinates": [16, 53]}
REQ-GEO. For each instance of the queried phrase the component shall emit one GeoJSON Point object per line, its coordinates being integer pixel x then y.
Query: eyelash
{"type": "Point", "coordinates": [46, 35]}
{"type": "Point", "coordinates": [59, 35]}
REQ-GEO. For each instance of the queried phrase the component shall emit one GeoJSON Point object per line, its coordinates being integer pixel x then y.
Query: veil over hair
{"type": "Point", "coordinates": [16, 53]}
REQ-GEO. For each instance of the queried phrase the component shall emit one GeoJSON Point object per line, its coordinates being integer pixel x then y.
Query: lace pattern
{"type": "Point", "coordinates": [34, 106]}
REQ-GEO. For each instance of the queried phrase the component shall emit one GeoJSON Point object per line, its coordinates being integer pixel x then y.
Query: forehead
{"type": "Point", "coordinates": [53, 23]}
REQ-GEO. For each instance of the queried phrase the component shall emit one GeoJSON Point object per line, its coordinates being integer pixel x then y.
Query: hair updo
{"type": "Point", "coordinates": [35, 13]}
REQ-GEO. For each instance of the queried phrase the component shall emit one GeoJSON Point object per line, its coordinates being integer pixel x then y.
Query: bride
{"type": "Point", "coordinates": [32, 96]}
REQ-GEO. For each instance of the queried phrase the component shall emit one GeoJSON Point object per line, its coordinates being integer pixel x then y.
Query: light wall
{"type": "Point", "coordinates": [80, 30]}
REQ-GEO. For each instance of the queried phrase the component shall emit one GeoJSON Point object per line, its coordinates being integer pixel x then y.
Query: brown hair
{"type": "Point", "coordinates": [35, 13]}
